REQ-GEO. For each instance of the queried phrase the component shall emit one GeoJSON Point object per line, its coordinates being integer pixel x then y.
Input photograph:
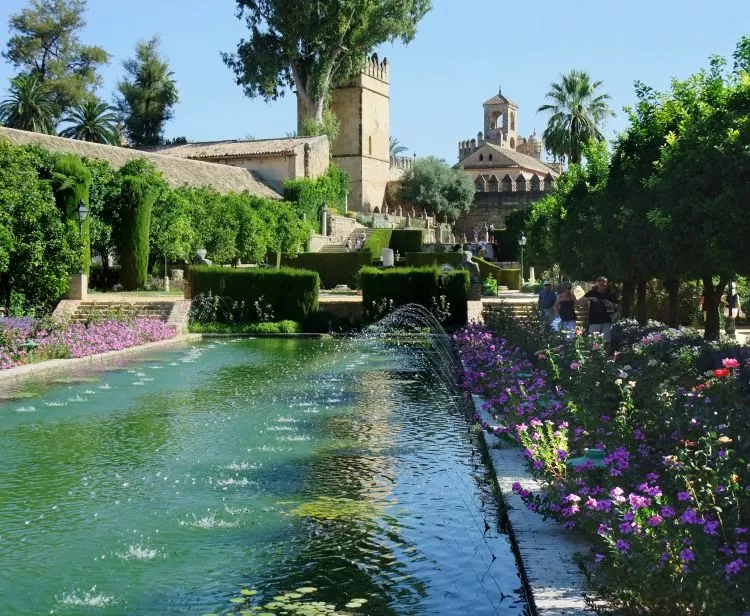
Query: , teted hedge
{"type": "Point", "coordinates": [273, 327]}
{"type": "Point", "coordinates": [406, 240]}
{"type": "Point", "coordinates": [292, 293]}
{"type": "Point", "coordinates": [510, 278]}
{"type": "Point", "coordinates": [309, 195]}
{"type": "Point", "coordinates": [422, 259]}
{"type": "Point", "coordinates": [402, 241]}
{"type": "Point", "coordinates": [418, 285]}
{"type": "Point", "coordinates": [455, 287]}
{"type": "Point", "coordinates": [379, 239]}
{"type": "Point", "coordinates": [403, 285]}
{"type": "Point", "coordinates": [333, 267]}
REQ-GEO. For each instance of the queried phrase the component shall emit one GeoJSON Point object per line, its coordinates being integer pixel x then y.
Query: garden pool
{"type": "Point", "coordinates": [170, 484]}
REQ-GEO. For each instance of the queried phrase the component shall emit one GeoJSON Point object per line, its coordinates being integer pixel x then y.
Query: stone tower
{"type": "Point", "coordinates": [500, 121]}
{"type": "Point", "coordinates": [500, 129]}
{"type": "Point", "coordinates": [362, 106]}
